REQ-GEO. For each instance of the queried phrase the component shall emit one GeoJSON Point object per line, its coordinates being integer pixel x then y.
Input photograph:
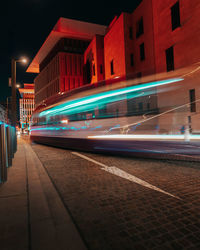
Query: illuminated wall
{"type": "Point", "coordinates": [184, 39]}
{"type": "Point", "coordinates": [94, 60]}
{"type": "Point", "coordinates": [123, 40]}
{"type": "Point", "coordinates": [71, 71]}
{"type": "Point", "coordinates": [114, 49]}
{"type": "Point", "coordinates": [141, 22]}
{"type": "Point", "coordinates": [61, 70]}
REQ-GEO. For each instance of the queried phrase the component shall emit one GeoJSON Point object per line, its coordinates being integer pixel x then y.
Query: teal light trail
{"type": "Point", "coordinates": [89, 102]}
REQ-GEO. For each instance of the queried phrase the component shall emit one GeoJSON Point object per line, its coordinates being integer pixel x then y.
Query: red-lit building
{"type": "Point", "coordinates": [158, 36]}
{"type": "Point", "coordinates": [26, 105]}
{"type": "Point", "coordinates": [60, 61]}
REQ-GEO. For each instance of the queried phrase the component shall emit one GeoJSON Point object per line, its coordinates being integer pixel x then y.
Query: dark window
{"type": "Point", "coordinates": [131, 33]}
{"type": "Point", "coordinates": [132, 60]}
{"type": "Point", "coordinates": [101, 69]}
{"type": "Point", "coordinates": [192, 100]}
{"type": "Point", "coordinates": [139, 28]}
{"type": "Point", "coordinates": [175, 16]}
{"type": "Point", "coordinates": [140, 106]}
{"type": "Point", "coordinates": [142, 53]}
{"type": "Point", "coordinates": [170, 58]}
{"type": "Point", "coordinates": [93, 69]}
{"type": "Point", "coordinates": [111, 68]}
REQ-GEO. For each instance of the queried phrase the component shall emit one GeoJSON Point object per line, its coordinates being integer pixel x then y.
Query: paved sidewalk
{"type": "Point", "coordinates": [32, 215]}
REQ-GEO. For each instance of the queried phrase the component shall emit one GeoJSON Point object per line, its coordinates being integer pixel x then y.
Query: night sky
{"type": "Point", "coordinates": [25, 24]}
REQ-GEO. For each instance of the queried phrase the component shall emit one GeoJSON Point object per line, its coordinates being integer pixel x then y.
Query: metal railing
{"type": "Point", "coordinates": [8, 146]}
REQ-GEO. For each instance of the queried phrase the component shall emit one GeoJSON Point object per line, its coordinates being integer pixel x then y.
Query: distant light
{"type": "Point", "coordinates": [65, 121]}
{"type": "Point", "coordinates": [24, 60]}
{"type": "Point", "coordinates": [18, 86]}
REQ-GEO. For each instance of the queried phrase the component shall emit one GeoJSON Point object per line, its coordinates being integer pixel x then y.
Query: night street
{"type": "Point", "coordinates": [100, 125]}
{"type": "Point", "coordinates": [127, 203]}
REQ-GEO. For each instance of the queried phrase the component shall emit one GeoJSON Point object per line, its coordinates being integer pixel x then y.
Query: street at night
{"type": "Point", "coordinates": [127, 203]}
{"type": "Point", "coordinates": [100, 125]}
{"type": "Point", "coordinates": [114, 202]}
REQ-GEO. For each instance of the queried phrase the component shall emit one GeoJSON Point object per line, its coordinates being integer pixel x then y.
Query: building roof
{"type": "Point", "coordinates": [28, 89]}
{"type": "Point", "coordinates": [65, 28]}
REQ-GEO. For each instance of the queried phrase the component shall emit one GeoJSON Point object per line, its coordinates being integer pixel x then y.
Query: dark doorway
{"type": "Point", "coordinates": [88, 71]}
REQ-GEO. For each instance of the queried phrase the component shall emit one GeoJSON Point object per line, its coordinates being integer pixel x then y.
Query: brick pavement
{"type": "Point", "coordinates": [113, 213]}
{"type": "Point", "coordinates": [32, 215]}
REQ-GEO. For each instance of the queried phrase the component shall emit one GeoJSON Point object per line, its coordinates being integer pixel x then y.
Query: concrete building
{"type": "Point", "coordinates": [26, 105]}
{"type": "Point", "coordinates": [60, 60]}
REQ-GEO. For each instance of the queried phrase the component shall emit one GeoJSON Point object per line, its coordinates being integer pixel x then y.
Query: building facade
{"type": "Point", "coordinates": [158, 36]}
{"type": "Point", "coordinates": [60, 61]}
{"type": "Point", "coordinates": [26, 105]}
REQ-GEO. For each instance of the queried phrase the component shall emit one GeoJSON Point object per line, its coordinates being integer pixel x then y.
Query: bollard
{"type": "Point", "coordinates": [14, 137]}
{"type": "Point", "coordinates": [3, 154]}
{"type": "Point", "coordinates": [9, 145]}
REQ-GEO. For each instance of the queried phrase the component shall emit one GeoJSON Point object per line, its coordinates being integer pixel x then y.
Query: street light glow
{"type": "Point", "coordinates": [24, 60]}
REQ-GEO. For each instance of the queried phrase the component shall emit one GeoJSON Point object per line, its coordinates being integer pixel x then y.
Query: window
{"type": "Point", "coordinates": [140, 106]}
{"type": "Point", "coordinates": [93, 69]}
{"type": "Point", "coordinates": [111, 68]}
{"type": "Point", "coordinates": [132, 60]}
{"type": "Point", "coordinates": [139, 27]}
{"type": "Point", "coordinates": [131, 33]}
{"type": "Point", "coordinates": [142, 52]}
{"type": "Point", "coordinates": [101, 69]}
{"type": "Point", "coordinates": [175, 16]}
{"type": "Point", "coordinates": [192, 100]}
{"type": "Point", "coordinates": [170, 58]}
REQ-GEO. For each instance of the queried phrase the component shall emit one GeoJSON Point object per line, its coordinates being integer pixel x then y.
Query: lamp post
{"type": "Point", "coordinates": [13, 85]}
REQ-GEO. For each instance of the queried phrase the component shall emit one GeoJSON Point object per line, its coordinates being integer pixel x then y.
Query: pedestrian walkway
{"type": "Point", "coordinates": [32, 215]}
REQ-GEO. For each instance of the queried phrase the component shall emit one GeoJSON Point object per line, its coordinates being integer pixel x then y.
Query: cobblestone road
{"type": "Point", "coordinates": [124, 203]}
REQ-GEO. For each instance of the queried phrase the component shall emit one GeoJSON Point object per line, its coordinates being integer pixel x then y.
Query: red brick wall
{"type": "Point", "coordinates": [185, 39]}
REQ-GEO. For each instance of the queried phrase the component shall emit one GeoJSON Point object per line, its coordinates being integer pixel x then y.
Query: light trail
{"type": "Point", "coordinates": [147, 137]}
{"type": "Point", "coordinates": [109, 94]}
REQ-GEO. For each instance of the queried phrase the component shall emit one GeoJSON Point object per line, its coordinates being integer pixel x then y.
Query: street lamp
{"type": "Point", "coordinates": [13, 84]}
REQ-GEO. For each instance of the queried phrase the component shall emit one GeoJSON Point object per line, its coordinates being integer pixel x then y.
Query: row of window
{"type": "Point", "coordinates": [139, 29]}
{"type": "Point", "coordinates": [142, 58]}
{"type": "Point", "coordinates": [175, 21]}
